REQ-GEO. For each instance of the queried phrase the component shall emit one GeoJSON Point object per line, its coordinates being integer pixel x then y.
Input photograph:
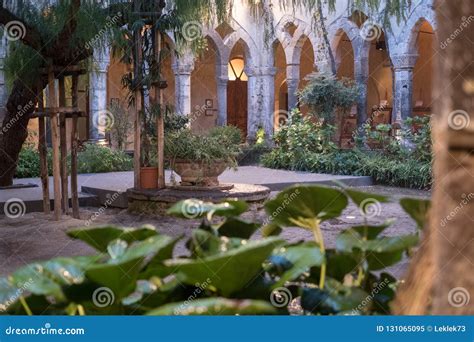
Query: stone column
{"type": "Point", "coordinates": [98, 93]}
{"type": "Point", "coordinates": [361, 75]}
{"type": "Point", "coordinates": [222, 80]}
{"type": "Point", "coordinates": [183, 67]}
{"type": "Point", "coordinates": [292, 81]}
{"type": "Point", "coordinates": [3, 86]}
{"type": "Point", "coordinates": [261, 101]}
{"type": "Point", "coordinates": [403, 66]}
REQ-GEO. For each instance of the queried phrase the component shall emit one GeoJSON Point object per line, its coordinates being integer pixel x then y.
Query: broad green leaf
{"type": "Point", "coordinates": [333, 300]}
{"type": "Point", "coordinates": [301, 206]}
{"type": "Point", "coordinates": [236, 228]}
{"type": "Point", "coordinates": [228, 271]}
{"type": "Point", "coordinates": [371, 232]}
{"type": "Point", "coordinates": [360, 197]}
{"type": "Point", "coordinates": [8, 294]}
{"type": "Point", "coordinates": [117, 248]}
{"type": "Point", "coordinates": [203, 243]}
{"type": "Point", "coordinates": [338, 265]}
{"type": "Point", "coordinates": [417, 209]}
{"type": "Point", "coordinates": [145, 248]}
{"type": "Point", "coordinates": [100, 237]}
{"type": "Point", "coordinates": [351, 239]}
{"type": "Point", "coordinates": [119, 278]}
{"type": "Point", "coordinates": [193, 209]}
{"type": "Point", "coordinates": [271, 229]}
{"type": "Point", "coordinates": [379, 261]}
{"type": "Point", "coordinates": [67, 271]}
{"type": "Point", "coordinates": [302, 257]}
{"type": "Point", "coordinates": [37, 280]}
{"type": "Point", "coordinates": [216, 306]}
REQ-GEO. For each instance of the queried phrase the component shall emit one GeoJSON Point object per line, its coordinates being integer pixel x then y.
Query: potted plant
{"type": "Point", "coordinates": [199, 159]}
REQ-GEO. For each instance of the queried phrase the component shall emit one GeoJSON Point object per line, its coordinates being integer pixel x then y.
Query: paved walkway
{"type": "Point", "coordinates": [103, 183]}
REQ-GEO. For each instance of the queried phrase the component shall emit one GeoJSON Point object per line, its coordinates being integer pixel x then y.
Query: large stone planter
{"type": "Point", "coordinates": [194, 173]}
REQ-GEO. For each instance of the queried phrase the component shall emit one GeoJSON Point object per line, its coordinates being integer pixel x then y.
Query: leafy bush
{"type": "Point", "coordinates": [91, 159]}
{"type": "Point", "coordinates": [97, 159]}
{"type": "Point", "coordinates": [405, 162]}
{"type": "Point", "coordinates": [221, 143]}
{"type": "Point", "coordinates": [325, 93]}
{"type": "Point", "coordinates": [225, 273]}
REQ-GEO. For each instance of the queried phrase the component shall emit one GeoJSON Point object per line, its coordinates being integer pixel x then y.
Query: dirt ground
{"type": "Point", "coordinates": [35, 237]}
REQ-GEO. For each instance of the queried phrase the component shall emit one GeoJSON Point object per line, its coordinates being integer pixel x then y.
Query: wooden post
{"type": "Point", "coordinates": [138, 104]}
{"type": "Point", "coordinates": [160, 120]}
{"type": "Point", "coordinates": [63, 139]}
{"type": "Point", "coordinates": [43, 152]}
{"type": "Point", "coordinates": [74, 143]}
{"type": "Point", "coordinates": [56, 142]}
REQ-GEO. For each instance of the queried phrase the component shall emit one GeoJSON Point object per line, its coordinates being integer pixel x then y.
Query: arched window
{"type": "Point", "coordinates": [236, 69]}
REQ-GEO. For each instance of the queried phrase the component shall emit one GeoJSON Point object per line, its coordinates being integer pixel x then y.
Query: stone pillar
{"type": "Point", "coordinates": [403, 66]}
{"type": "Point", "coordinates": [361, 75]}
{"type": "Point", "coordinates": [261, 101]}
{"type": "Point", "coordinates": [222, 80]}
{"type": "Point", "coordinates": [292, 81]}
{"type": "Point", "coordinates": [183, 67]}
{"type": "Point", "coordinates": [3, 86]}
{"type": "Point", "coordinates": [98, 93]}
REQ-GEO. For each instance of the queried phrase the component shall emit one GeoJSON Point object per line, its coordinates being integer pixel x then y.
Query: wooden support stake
{"type": "Point", "coordinates": [63, 139]}
{"type": "Point", "coordinates": [43, 153]}
{"type": "Point", "coordinates": [138, 106]}
{"type": "Point", "coordinates": [56, 152]}
{"type": "Point", "coordinates": [160, 121]}
{"type": "Point", "coordinates": [74, 146]}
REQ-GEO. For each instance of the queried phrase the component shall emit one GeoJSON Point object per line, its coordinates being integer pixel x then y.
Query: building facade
{"type": "Point", "coordinates": [251, 68]}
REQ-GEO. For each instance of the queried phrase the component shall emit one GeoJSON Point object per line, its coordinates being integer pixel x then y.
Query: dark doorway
{"type": "Point", "coordinates": [237, 92]}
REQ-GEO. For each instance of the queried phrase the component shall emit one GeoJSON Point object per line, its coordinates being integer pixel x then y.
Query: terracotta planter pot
{"type": "Point", "coordinates": [148, 177]}
{"type": "Point", "coordinates": [199, 173]}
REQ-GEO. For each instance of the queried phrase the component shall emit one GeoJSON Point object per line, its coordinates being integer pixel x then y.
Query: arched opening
{"type": "Point", "coordinates": [423, 71]}
{"type": "Point", "coordinates": [344, 57]}
{"type": "Point", "coordinates": [306, 61]}
{"type": "Point", "coordinates": [380, 83]}
{"type": "Point", "coordinates": [281, 88]}
{"type": "Point", "coordinates": [237, 88]}
{"type": "Point", "coordinates": [204, 89]}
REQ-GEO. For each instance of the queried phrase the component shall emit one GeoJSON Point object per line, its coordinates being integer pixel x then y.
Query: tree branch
{"type": "Point", "coordinates": [30, 37]}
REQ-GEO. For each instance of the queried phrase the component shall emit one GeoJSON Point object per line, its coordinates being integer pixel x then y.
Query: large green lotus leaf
{"type": "Point", "coordinates": [417, 209]}
{"type": "Point", "coordinates": [119, 278]}
{"type": "Point", "coordinates": [216, 306]}
{"type": "Point", "coordinates": [351, 239]}
{"type": "Point", "coordinates": [37, 280]}
{"type": "Point", "coordinates": [149, 247]}
{"type": "Point", "coordinates": [379, 261]}
{"type": "Point", "coordinates": [8, 294]}
{"type": "Point", "coordinates": [360, 197]}
{"type": "Point", "coordinates": [228, 271]}
{"type": "Point", "coordinates": [302, 258]}
{"type": "Point", "coordinates": [237, 228]}
{"type": "Point", "coordinates": [203, 243]}
{"type": "Point", "coordinates": [67, 271]}
{"type": "Point", "coordinates": [193, 209]}
{"type": "Point", "coordinates": [338, 265]}
{"type": "Point", "coordinates": [300, 206]}
{"type": "Point", "coordinates": [100, 237]}
{"type": "Point", "coordinates": [371, 232]}
{"type": "Point", "coordinates": [331, 300]}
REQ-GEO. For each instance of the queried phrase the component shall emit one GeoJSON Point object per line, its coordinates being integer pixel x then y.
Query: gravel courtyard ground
{"type": "Point", "coordinates": [35, 237]}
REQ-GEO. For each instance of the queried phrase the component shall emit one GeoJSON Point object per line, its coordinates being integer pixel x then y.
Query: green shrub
{"type": "Point", "coordinates": [91, 159]}
{"type": "Point", "coordinates": [98, 159]}
{"type": "Point", "coordinates": [301, 145]}
{"type": "Point", "coordinates": [221, 143]}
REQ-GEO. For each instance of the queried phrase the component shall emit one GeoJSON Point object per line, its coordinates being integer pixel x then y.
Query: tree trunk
{"type": "Point", "coordinates": [14, 131]}
{"type": "Point", "coordinates": [448, 284]}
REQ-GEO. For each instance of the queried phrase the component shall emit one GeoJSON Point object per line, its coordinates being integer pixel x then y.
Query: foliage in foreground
{"type": "Point", "coordinates": [133, 271]}
{"type": "Point", "coordinates": [305, 145]}
{"type": "Point", "coordinates": [91, 159]}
